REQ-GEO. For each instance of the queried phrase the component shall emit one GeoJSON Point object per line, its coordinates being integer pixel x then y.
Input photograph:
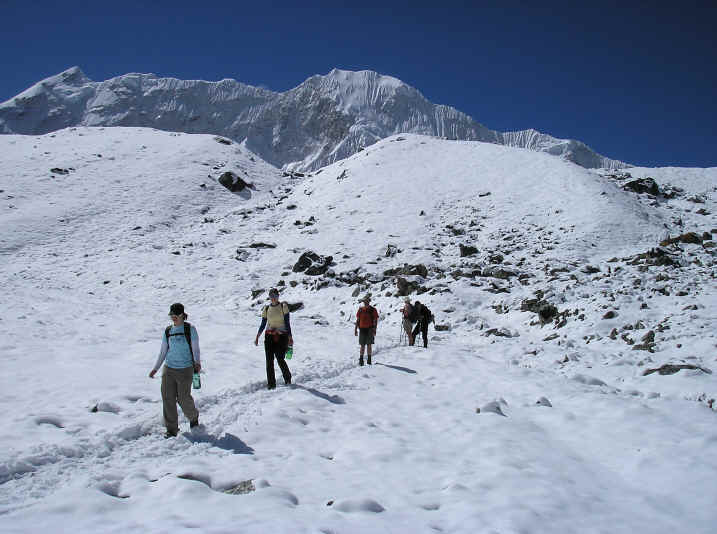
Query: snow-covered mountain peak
{"type": "Point", "coordinates": [363, 78]}
{"type": "Point", "coordinates": [324, 119]}
{"type": "Point", "coordinates": [68, 81]}
{"type": "Point", "coordinates": [356, 91]}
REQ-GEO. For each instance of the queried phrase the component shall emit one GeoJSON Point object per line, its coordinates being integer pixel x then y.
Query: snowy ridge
{"type": "Point", "coordinates": [516, 418]}
{"type": "Point", "coordinates": [323, 120]}
{"type": "Point", "coordinates": [569, 149]}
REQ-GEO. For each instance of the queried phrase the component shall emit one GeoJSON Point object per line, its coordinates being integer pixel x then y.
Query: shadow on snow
{"type": "Point", "coordinates": [398, 368]}
{"type": "Point", "coordinates": [333, 399]}
{"type": "Point", "coordinates": [228, 442]}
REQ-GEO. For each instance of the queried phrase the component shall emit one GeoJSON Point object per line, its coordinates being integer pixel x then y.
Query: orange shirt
{"type": "Point", "coordinates": [366, 317]}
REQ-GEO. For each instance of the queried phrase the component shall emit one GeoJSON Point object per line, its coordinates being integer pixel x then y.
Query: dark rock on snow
{"type": "Point", "coordinates": [405, 287]}
{"type": "Point", "coordinates": [295, 306]}
{"type": "Point", "coordinates": [688, 238]}
{"type": "Point", "coordinates": [643, 185]}
{"type": "Point", "coordinates": [467, 250]}
{"type": "Point", "coordinates": [233, 182]}
{"type": "Point", "coordinates": [313, 264]}
{"type": "Point", "coordinates": [671, 369]}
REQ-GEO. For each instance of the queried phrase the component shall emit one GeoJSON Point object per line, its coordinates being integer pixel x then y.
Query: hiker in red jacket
{"type": "Point", "coordinates": [365, 329]}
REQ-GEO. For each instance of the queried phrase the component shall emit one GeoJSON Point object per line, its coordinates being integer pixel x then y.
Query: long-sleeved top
{"type": "Point", "coordinates": [176, 352]}
{"type": "Point", "coordinates": [277, 318]}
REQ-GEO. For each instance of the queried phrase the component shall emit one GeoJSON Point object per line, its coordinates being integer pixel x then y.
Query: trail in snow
{"type": "Point", "coordinates": [92, 259]}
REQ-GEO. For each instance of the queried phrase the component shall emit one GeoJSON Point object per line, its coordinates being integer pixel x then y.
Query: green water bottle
{"type": "Point", "coordinates": [289, 352]}
{"type": "Point", "coordinates": [196, 381]}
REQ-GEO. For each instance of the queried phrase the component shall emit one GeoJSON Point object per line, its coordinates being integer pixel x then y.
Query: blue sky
{"type": "Point", "coordinates": [636, 82]}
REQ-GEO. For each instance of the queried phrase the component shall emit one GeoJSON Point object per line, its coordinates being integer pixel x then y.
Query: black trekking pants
{"type": "Point", "coordinates": [276, 349]}
{"type": "Point", "coordinates": [421, 326]}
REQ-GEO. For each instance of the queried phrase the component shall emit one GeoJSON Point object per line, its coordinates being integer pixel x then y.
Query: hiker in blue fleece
{"type": "Point", "coordinates": [181, 361]}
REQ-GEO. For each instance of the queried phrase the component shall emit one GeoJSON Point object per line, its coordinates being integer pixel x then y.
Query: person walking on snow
{"type": "Point", "coordinates": [277, 339]}
{"type": "Point", "coordinates": [408, 319]}
{"type": "Point", "coordinates": [424, 317]}
{"type": "Point", "coordinates": [365, 329]}
{"type": "Point", "coordinates": [180, 352]}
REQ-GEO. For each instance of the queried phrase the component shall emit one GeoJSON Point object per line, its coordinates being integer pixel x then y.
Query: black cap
{"type": "Point", "coordinates": [273, 292]}
{"type": "Point", "coordinates": [176, 309]}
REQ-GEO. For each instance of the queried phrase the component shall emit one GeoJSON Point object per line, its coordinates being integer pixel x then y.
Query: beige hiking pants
{"type": "Point", "coordinates": [177, 388]}
{"type": "Point", "coordinates": [408, 328]}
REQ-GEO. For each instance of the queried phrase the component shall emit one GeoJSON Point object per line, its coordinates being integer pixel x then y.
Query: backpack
{"type": "Point", "coordinates": [187, 335]}
{"type": "Point", "coordinates": [428, 314]}
{"type": "Point", "coordinates": [421, 312]}
{"type": "Point", "coordinates": [413, 314]}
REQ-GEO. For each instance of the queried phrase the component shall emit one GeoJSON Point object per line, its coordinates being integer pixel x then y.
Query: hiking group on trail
{"type": "Point", "coordinates": [181, 356]}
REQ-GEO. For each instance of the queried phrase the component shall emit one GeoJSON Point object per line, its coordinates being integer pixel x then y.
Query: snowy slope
{"type": "Point", "coordinates": [324, 119]}
{"type": "Point", "coordinates": [92, 259]}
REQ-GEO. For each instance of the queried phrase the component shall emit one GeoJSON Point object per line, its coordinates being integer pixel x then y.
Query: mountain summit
{"type": "Point", "coordinates": [325, 119]}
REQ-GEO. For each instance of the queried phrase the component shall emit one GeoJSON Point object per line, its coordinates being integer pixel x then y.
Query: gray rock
{"type": "Point", "coordinates": [671, 369]}
{"type": "Point", "coordinates": [543, 401]}
{"type": "Point", "coordinates": [467, 250]}
{"type": "Point", "coordinates": [233, 182]}
{"type": "Point", "coordinates": [643, 185]}
{"type": "Point", "coordinates": [295, 306]}
{"type": "Point", "coordinates": [313, 264]}
{"type": "Point", "coordinates": [244, 487]}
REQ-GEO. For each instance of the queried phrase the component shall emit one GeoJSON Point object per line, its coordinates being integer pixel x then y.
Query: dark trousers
{"type": "Point", "coordinates": [421, 326]}
{"type": "Point", "coordinates": [275, 347]}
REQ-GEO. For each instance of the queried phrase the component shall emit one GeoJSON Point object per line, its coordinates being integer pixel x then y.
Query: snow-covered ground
{"type": "Point", "coordinates": [446, 439]}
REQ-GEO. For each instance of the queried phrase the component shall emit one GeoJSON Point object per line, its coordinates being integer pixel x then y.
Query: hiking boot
{"type": "Point", "coordinates": [369, 360]}
{"type": "Point", "coordinates": [194, 424]}
{"type": "Point", "coordinates": [287, 382]}
{"type": "Point", "coordinates": [271, 386]}
{"type": "Point", "coordinates": [361, 361]}
{"type": "Point", "coordinates": [170, 434]}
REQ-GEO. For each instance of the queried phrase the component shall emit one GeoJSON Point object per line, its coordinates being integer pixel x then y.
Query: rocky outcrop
{"type": "Point", "coordinates": [643, 185]}
{"type": "Point", "coordinates": [313, 264]}
{"type": "Point", "coordinates": [233, 182]}
{"type": "Point", "coordinates": [671, 369]}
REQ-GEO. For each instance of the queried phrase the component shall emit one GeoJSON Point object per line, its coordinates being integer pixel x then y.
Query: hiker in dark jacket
{"type": "Point", "coordinates": [277, 339]}
{"type": "Point", "coordinates": [365, 328]}
{"type": "Point", "coordinates": [424, 317]}
{"type": "Point", "coordinates": [182, 361]}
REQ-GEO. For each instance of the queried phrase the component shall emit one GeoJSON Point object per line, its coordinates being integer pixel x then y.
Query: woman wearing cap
{"type": "Point", "coordinates": [182, 361]}
{"type": "Point", "coordinates": [277, 338]}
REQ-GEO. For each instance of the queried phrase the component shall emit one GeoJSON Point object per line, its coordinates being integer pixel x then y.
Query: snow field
{"type": "Point", "coordinates": [394, 447]}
